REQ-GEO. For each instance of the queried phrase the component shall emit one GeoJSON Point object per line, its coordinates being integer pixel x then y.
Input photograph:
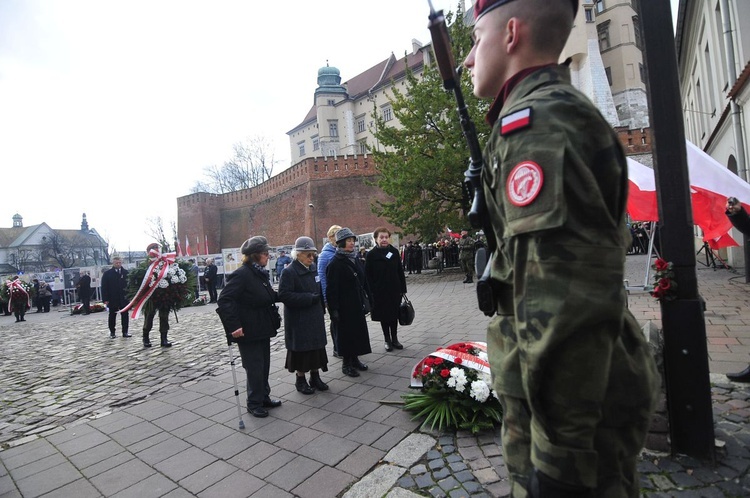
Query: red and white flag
{"type": "Point", "coordinates": [179, 249]}
{"type": "Point", "coordinates": [187, 246]}
{"type": "Point", "coordinates": [197, 245]}
{"type": "Point", "coordinates": [710, 185]}
{"type": "Point", "coordinates": [205, 244]}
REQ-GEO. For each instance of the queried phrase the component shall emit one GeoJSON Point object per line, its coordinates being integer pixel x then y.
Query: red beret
{"type": "Point", "coordinates": [481, 7]}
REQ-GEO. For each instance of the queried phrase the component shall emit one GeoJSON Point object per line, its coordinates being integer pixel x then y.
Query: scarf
{"type": "Point", "coordinates": [351, 255]}
{"type": "Point", "coordinates": [262, 270]}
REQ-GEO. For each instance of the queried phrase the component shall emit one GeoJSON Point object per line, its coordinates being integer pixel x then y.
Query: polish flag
{"type": "Point", "coordinates": [187, 246]}
{"type": "Point", "coordinates": [197, 245]}
{"type": "Point", "coordinates": [179, 249]}
{"type": "Point", "coordinates": [710, 185]}
{"type": "Point", "coordinates": [205, 244]}
{"type": "Point", "coordinates": [452, 234]}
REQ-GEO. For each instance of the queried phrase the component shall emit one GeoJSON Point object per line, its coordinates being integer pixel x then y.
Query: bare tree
{"type": "Point", "coordinates": [57, 248]}
{"type": "Point", "coordinates": [251, 164]}
{"type": "Point", "coordinates": [155, 230]}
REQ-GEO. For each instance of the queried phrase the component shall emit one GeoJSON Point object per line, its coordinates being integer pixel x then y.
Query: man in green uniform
{"type": "Point", "coordinates": [466, 256]}
{"type": "Point", "coordinates": [575, 376]}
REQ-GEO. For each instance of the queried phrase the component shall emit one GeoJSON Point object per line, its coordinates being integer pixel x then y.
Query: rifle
{"type": "Point", "coordinates": [478, 215]}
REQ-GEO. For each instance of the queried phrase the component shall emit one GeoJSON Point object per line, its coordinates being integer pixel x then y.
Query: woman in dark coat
{"type": "Point", "coordinates": [385, 276]}
{"type": "Point", "coordinates": [346, 291]}
{"type": "Point", "coordinates": [304, 325]}
{"type": "Point", "coordinates": [250, 319]}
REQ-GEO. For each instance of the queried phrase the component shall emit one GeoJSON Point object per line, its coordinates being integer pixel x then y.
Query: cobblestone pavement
{"type": "Point", "coordinates": [82, 414]}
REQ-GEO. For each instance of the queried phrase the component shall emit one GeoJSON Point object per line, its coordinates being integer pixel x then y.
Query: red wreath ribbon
{"type": "Point", "coordinates": [16, 286]}
{"type": "Point", "coordinates": [149, 286]}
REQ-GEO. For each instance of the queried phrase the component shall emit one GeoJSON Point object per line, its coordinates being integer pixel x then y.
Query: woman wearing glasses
{"type": "Point", "coordinates": [304, 325]}
{"type": "Point", "coordinates": [250, 319]}
{"type": "Point", "coordinates": [348, 303]}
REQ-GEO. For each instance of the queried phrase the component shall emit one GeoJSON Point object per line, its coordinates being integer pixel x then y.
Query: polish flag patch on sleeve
{"type": "Point", "coordinates": [515, 121]}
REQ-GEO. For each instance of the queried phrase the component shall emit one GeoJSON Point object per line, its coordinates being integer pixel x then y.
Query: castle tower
{"type": "Point", "coordinates": [84, 224]}
{"type": "Point", "coordinates": [328, 95]}
{"type": "Point", "coordinates": [17, 221]}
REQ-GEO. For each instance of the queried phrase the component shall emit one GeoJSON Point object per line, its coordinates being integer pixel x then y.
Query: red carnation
{"type": "Point", "coordinates": [445, 373]}
{"type": "Point", "coordinates": [426, 371]}
{"type": "Point", "coordinates": [665, 284]}
{"type": "Point", "coordinates": [429, 361]}
{"type": "Point", "coordinates": [438, 361]}
{"type": "Point", "coordinates": [457, 360]}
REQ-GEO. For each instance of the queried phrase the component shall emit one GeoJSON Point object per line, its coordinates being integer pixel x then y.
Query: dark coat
{"type": "Point", "coordinates": [385, 276]}
{"type": "Point", "coordinates": [304, 325]}
{"type": "Point", "coordinates": [210, 274]}
{"type": "Point", "coordinates": [114, 288]}
{"type": "Point", "coordinates": [345, 279]}
{"type": "Point", "coordinates": [741, 221]}
{"type": "Point", "coordinates": [247, 301]}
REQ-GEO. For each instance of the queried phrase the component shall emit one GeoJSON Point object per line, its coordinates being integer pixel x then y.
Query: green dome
{"type": "Point", "coordinates": [329, 81]}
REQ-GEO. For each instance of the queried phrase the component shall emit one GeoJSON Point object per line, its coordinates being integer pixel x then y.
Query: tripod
{"type": "Point", "coordinates": [711, 257]}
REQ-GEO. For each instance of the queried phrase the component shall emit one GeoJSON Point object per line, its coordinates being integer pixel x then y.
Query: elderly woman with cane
{"type": "Point", "coordinates": [250, 318]}
{"type": "Point", "coordinates": [304, 325]}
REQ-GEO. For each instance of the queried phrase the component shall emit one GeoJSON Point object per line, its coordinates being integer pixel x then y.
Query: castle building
{"type": "Point", "coordinates": [331, 180]}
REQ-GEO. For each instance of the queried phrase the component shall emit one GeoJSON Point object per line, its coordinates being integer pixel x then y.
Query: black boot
{"type": "Point", "coordinates": [359, 365]}
{"type": "Point", "coordinates": [146, 341]}
{"type": "Point", "coordinates": [317, 382]}
{"type": "Point", "coordinates": [388, 343]}
{"type": "Point", "coordinates": [467, 279]}
{"type": "Point", "coordinates": [743, 376]}
{"type": "Point", "coordinates": [18, 318]}
{"type": "Point", "coordinates": [164, 342]}
{"type": "Point", "coordinates": [394, 341]}
{"type": "Point", "coordinates": [348, 369]}
{"type": "Point", "coordinates": [302, 385]}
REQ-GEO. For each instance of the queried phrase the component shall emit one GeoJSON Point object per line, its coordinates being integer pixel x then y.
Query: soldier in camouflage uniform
{"type": "Point", "coordinates": [466, 256]}
{"type": "Point", "coordinates": [575, 376]}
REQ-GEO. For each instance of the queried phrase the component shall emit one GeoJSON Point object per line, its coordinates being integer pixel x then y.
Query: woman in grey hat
{"type": "Point", "coordinates": [304, 324]}
{"type": "Point", "coordinates": [250, 318]}
{"type": "Point", "coordinates": [348, 303]}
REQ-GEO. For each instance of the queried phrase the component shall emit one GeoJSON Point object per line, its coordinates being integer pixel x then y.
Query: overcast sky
{"type": "Point", "coordinates": [113, 108]}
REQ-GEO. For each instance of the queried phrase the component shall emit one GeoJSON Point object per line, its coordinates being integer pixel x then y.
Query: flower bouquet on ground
{"type": "Point", "coordinates": [455, 389]}
{"type": "Point", "coordinates": [200, 301]}
{"type": "Point", "coordinates": [93, 308]}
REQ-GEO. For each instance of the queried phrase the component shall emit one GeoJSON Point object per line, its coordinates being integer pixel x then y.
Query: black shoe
{"type": "Point", "coordinates": [166, 344]}
{"type": "Point", "coordinates": [125, 334]}
{"type": "Point", "coordinates": [146, 344]}
{"type": "Point", "coordinates": [359, 365]}
{"type": "Point", "coordinates": [271, 403]}
{"type": "Point", "coordinates": [259, 412]}
{"type": "Point", "coordinates": [470, 281]}
{"type": "Point", "coordinates": [350, 371]}
{"type": "Point", "coordinates": [112, 335]}
{"type": "Point", "coordinates": [302, 385]}
{"type": "Point", "coordinates": [336, 354]}
{"type": "Point", "coordinates": [317, 382]}
{"type": "Point", "coordinates": [388, 346]}
{"type": "Point", "coordinates": [743, 376]}
{"type": "Point", "coordinates": [397, 344]}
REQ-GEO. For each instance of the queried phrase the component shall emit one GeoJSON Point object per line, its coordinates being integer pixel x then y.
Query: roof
{"type": "Point", "coordinates": [377, 76]}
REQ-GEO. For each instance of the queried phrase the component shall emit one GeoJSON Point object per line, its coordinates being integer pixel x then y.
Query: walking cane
{"type": "Point", "coordinates": [236, 391]}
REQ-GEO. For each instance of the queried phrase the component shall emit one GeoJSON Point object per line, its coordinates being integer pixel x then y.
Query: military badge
{"type": "Point", "coordinates": [524, 183]}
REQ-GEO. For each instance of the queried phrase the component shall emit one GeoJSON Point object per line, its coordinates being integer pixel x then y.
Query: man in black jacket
{"type": "Point", "coordinates": [114, 285]}
{"type": "Point", "coordinates": [210, 277]}
{"type": "Point", "coordinates": [84, 293]}
{"type": "Point", "coordinates": [741, 221]}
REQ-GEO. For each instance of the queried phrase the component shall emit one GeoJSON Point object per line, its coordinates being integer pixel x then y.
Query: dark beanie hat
{"type": "Point", "coordinates": [254, 245]}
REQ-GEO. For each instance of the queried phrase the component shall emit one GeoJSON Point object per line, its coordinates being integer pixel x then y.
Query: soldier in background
{"type": "Point", "coordinates": [466, 256]}
{"type": "Point", "coordinates": [575, 376]}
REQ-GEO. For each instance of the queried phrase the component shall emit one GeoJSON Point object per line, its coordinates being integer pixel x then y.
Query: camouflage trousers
{"type": "Point", "coordinates": [556, 435]}
{"type": "Point", "coordinates": [467, 264]}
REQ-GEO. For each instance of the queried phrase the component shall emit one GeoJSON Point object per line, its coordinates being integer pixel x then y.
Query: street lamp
{"type": "Point", "coordinates": [315, 225]}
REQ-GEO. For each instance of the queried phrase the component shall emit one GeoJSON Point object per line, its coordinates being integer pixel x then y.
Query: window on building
{"type": "Point", "coordinates": [301, 146]}
{"type": "Point", "coordinates": [603, 30]}
{"type": "Point", "coordinates": [363, 146]}
{"type": "Point", "coordinates": [333, 128]}
{"type": "Point", "coordinates": [316, 143]}
{"type": "Point", "coordinates": [331, 102]}
{"type": "Point", "coordinates": [637, 32]}
{"type": "Point", "coordinates": [608, 72]}
{"type": "Point", "coordinates": [361, 125]}
{"type": "Point", "coordinates": [600, 6]}
{"type": "Point", "coordinates": [589, 13]}
{"type": "Point", "coordinates": [387, 113]}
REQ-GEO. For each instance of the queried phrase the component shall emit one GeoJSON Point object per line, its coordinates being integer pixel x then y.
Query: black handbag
{"type": "Point", "coordinates": [405, 312]}
{"type": "Point", "coordinates": [275, 316]}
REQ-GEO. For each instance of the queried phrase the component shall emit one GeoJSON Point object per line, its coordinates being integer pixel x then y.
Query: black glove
{"type": "Point", "coordinates": [334, 316]}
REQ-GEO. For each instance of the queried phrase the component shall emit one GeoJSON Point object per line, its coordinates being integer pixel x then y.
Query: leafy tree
{"type": "Point", "coordinates": [422, 167]}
